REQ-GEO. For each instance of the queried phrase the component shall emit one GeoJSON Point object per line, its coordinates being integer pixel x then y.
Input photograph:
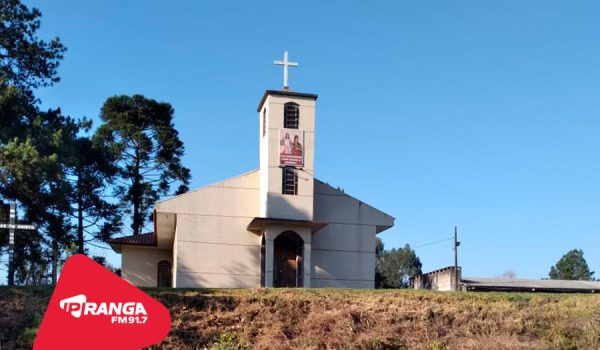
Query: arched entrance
{"type": "Point", "coordinates": [164, 274]}
{"type": "Point", "coordinates": [287, 262]}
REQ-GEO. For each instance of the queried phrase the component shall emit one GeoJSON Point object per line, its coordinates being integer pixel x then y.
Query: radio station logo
{"type": "Point", "coordinates": [130, 312]}
{"type": "Point", "coordinates": [92, 308]}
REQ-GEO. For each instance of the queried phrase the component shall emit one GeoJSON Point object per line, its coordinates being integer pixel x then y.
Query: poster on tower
{"type": "Point", "coordinates": [291, 147]}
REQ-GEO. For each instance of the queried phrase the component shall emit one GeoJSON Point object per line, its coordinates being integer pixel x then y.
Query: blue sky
{"type": "Point", "coordinates": [484, 115]}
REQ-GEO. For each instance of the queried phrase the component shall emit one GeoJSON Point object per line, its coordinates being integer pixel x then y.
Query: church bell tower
{"type": "Point", "coordinates": [287, 157]}
{"type": "Point", "coordinates": [287, 139]}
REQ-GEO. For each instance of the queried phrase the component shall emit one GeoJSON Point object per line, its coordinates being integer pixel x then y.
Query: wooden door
{"type": "Point", "coordinates": [286, 267]}
{"type": "Point", "coordinates": [164, 274]}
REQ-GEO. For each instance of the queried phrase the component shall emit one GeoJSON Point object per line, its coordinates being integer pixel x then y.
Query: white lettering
{"type": "Point", "coordinates": [129, 308]}
{"type": "Point", "coordinates": [102, 309]}
{"type": "Point", "coordinates": [79, 305]}
{"type": "Point", "coordinates": [89, 308]}
{"type": "Point", "coordinates": [139, 309]}
{"type": "Point", "coordinates": [115, 309]}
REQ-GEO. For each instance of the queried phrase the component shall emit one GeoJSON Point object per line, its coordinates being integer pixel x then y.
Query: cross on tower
{"type": "Point", "coordinates": [285, 63]}
{"type": "Point", "coordinates": [12, 226]}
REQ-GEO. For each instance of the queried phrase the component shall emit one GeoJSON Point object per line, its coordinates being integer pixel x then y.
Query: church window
{"type": "Point", "coordinates": [291, 115]}
{"type": "Point", "coordinates": [290, 180]}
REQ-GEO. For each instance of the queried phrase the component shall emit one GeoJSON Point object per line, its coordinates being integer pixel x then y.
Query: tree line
{"type": "Point", "coordinates": [78, 183]}
{"type": "Point", "coordinates": [395, 268]}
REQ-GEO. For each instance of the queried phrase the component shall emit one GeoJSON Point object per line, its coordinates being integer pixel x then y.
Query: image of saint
{"type": "Point", "coordinates": [297, 146]}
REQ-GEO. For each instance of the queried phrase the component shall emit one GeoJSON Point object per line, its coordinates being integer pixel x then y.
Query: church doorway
{"type": "Point", "coordinates": [164, 274]}
{"type": "Point", "coordinates": [287, 262]}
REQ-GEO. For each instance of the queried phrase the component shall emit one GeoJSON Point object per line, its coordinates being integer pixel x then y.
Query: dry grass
{"type": "Point", "coordinates": [351, 319]}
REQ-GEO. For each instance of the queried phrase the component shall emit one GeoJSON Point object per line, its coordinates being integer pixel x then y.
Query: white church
{"type": "Point", "coordinates": [276, 226]}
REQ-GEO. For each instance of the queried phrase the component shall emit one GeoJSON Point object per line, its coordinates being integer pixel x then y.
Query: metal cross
{"type": "Point", "coordinates": [12, 226]}
{"type": "Point", "coordinates": [285, 63]}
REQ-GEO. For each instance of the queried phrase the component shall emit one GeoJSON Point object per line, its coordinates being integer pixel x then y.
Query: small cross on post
{"type": "Point", "coordinates": [12, 226]}
{"type": "Point", "coordinates": [285, 63]}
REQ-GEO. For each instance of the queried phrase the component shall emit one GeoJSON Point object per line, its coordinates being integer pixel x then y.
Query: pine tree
{"type": "Point", "coordinates": [140, 134]}
{"type": "Point", "coordinates": [26, 61]}
{"type": "Point", "coordinates": [572, 266]}
{"type": "Point", "coordinates": [395, 267]}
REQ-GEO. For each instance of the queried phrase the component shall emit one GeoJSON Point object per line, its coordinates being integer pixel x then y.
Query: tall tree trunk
{"type": "Point", "coordinates": [137, 220]}
{"type": "Point", "coordinates": [81, 249]}
{"type": "Point", "coordinates": [54, 261]}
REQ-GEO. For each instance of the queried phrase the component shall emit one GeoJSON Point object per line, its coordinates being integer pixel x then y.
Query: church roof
{"type": "Point", "coordinates": [218, 183]}
{"type": "Point", "coordinates": [284, 93]}
{"type": "Point", "coordinates": [383, 220]}
{"type": "Point", "coordinates": [258, 223]}
{"type": "Point", "coordinates": [145, 239]}
{"type": "Point", "coordinates": [517, 284]}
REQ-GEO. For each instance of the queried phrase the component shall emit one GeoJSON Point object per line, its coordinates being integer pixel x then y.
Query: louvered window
{"type": "Point", "coordinates": [291, 115]}
{"type": "Point", "coordinates": [289, 181]}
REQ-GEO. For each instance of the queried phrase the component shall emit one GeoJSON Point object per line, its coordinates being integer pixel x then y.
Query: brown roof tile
{"type": "Point", "coordinates": [145, 239]}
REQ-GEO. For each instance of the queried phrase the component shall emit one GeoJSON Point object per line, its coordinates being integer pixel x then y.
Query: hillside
{"type": "Point", "coordinates": [347, 319]}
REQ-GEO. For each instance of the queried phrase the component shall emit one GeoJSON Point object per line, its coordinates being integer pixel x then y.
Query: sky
{"type": "Point", "coordinates": [483, 115]}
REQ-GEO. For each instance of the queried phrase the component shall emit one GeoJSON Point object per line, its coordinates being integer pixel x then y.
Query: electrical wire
{"type": "Point", "coordinates": [432, 243]}
{"type": "Point", "coordinates": [97, 246]}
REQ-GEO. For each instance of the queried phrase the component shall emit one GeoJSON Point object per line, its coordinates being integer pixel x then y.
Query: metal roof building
{"type": "Point", "coordinates": [444, 280]}
{"type": "Point", "coordinates": [529, 285]}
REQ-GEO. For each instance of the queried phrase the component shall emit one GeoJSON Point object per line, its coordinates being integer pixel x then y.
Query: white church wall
{"type": "Point", "coordinates": [215, 230]}
{"type": "Point", "coordinates": [237, 197]}
{"type": "Point", "coordinates": [264, 142]}
{"type": "Point", "coordinates": [346, 237]}
{"type": "Point", "coordinates": [217, 281]}
{"type": "Point", "coordinates": [139, 265]}
{"type": "Point", "coordinates": [345, 267]}
{"type": "Point", "coordinates": [209, 265]}
{"type": "Point", "coordinates": [339, 207]}
{"type": "Point", "coordinates": [213, 245]}
{"type": "Point", "coordinates": [175, 255]}
{"type": "Point", "coordinates": [343, 253]}
{"type": "Point", "coordinates": [289, 206]}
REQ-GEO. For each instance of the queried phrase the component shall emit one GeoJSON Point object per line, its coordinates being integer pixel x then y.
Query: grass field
{"type": "Point", "coordinates": [346, 319]}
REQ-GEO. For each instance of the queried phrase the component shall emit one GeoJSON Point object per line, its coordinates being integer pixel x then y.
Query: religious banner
{"type": "Point", "coordinates": [291, 147]}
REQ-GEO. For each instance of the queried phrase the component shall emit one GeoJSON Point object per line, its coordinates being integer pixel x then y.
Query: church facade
{"type": "Point", "coordinates": [277, 226]}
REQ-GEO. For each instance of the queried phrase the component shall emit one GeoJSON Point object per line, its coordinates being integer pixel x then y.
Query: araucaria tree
{"type": "Point", "coordinates": [572, 266]}
{"type": "Point", "coordinates": [140, 134]}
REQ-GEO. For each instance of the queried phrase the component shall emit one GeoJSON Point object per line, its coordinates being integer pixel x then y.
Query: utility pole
{"type": "Point", "coordinates": [456, 244]}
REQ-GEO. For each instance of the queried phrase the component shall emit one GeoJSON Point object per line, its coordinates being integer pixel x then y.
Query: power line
{"type": "Point", "coordinates": [434, 242]}
{"type": "Point", "coordinates": [97, 246]}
